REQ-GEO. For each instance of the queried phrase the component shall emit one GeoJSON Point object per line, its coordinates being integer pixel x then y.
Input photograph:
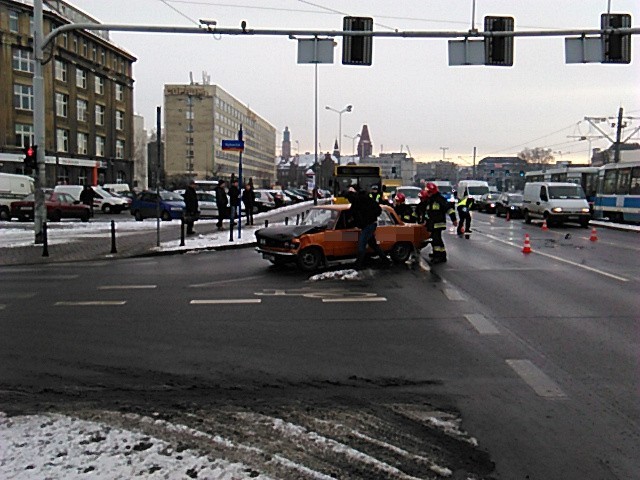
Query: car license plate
{"type": "Point", "coordinates": [269, 257]}
{"type": "Point", "coordinates": [26, 209]}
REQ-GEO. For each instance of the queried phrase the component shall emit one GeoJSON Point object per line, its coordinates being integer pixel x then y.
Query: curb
{"type": "Point", "coordinates": [165, 253]}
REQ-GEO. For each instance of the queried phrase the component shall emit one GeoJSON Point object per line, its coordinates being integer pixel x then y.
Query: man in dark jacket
{"type": "Point", "coordinates": [249, 200]}
{"type": "Point", "coordinates": [436, 210]}
{"type": "Point", "coordinates": [86, 196]}
{"type": "Point", "coordinates": [191, 207]}
{"type": "Point", "coordinates": [221, 202]}
{"type": "Point", "coordinates": [365, 211]}
{"type": "Point", "coordinates": [234, 201]}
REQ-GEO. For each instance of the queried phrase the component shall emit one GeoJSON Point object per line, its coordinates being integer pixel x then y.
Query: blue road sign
{"type": "Point", "coordinates": [234, 145]}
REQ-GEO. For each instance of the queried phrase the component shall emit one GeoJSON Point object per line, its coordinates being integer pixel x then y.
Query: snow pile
{"type": "Point", "coordinates": [349, 274]}
{"type": "Point", "coordinates": [57, 446]}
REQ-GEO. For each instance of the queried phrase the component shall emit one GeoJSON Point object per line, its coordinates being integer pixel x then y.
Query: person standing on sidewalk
{"type": "Point", "coordinates": [249, 201]}
{"type": "Point", "coordinates": [221, 202]}
{"type": "Point", "coordinates": [191, 207]}
{"type": "Point", "coordinates": [436, 210]}
{"type": "Point", "coordinates": [87, 195]}
{"type": "Point", "coordinates": [234, 201]}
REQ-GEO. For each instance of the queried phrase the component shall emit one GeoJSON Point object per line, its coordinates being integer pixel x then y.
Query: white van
{"type": "Point", "coordinates": [555, 202]}
{"type": "Point", "coordinates": [116, 187]}
{"type": "Point", "coordinates": [103, 201]}
{"type": "Point", "coordinates": [473, 188]}
{"type": "Point", "coordinates": [13, 188]}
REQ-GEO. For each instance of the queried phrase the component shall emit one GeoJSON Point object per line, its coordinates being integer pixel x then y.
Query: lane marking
{"type": "Point", "coordinates": [126, 287]}
{"type": "Point", "coordinates": [223, 282]}
{"type": "Point", "coordinates": [452, 294]}
{"type": "Point", "coordinates": [232, 301]}
{"type": "Point", "coordinates": [2, 307]}
{"type": "Point", "coordinates": [354, 299]}
{"type": "Point", "coordinates": [536, 379]}
{"type": "Point", "coordinates": [35, 278]}
{"type": "Point", "coordinates": [482, 324]}
{"type": "Point", "coordinates": [585, 267]}
{"type": "Point", "coordinates": [91, 303]}
{"type": "Point", "coordinates": [16, 296]}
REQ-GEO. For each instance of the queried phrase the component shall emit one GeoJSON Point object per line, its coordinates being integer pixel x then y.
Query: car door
{"type": "Point", "coordinates": [148, 204]}
{"type": "Point", "coordinates": [342, 240]}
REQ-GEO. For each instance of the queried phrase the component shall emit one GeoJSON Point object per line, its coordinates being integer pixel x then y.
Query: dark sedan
{"type": "Point", "coordinates": [59, 205]}
{"type": "Point", "coordinates": [509, 203]}
{"type": "Point", "coordinates": [487, 202]}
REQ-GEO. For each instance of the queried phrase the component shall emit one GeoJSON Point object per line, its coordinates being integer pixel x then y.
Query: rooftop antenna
{"type": "Point", "coordinates": [190, 78]}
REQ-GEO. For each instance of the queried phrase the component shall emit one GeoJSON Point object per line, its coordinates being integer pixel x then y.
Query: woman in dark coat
{"type": "Point", "coordinates": [221, 203]}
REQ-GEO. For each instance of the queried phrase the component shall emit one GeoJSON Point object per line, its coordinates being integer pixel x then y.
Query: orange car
{"type": "Point", "coordinates": [327, 235]}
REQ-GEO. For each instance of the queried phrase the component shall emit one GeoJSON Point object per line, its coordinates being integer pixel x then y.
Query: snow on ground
{"type": "Point", "coordinates": [61, 447]}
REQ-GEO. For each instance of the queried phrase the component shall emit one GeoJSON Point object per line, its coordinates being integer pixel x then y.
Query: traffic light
{"type": "Point", "coordinates": [616, 47]}
{"type": "Point", "coordinates": [507, 173]}
{"type": "Point", "coordinates": [357, 50]}
{"type": "Point", "coordinates": [522, 173]}
{"type": "Point", "coordinates": [498, 50]}
{"type": "Point", "coordinates": [31, 158]}
{"type": "Point", "coordinates": [492, 172]}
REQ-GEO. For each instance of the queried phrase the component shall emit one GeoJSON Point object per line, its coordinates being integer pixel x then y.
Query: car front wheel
{"type": "Point", "coordinates": [137, 215]}
{"type": "Point", "coordinates": [401, 252]}
{"type": "Point", "coordinates": [309, 259]}
{"type": "Point", "coordinates": [166, 216]}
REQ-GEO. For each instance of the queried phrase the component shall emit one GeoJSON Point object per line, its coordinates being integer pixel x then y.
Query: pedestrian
{"type": "Point", "coordinates": [222, 202]}
{"type": "Point", "coordinates": [365, 211]}
{"type": "Point", "coordinates": [464, 213]}
{"type": "Point", "coordinates": [86, 196]}
{"type": "Point", "coordinates": [421, 208]}
{"type": "Point", "coordinates": [436, 210]}
{"type": "Point", "coordinates": [191, 212]}
{"type": "Point", "coordinates": [375, 193]}
{"type": "Point", "coordinates": [234, 201]}
{"type": "Point", "coordinates": [404, 211]}
{"type": "Point", "coordinates": [249, 201]}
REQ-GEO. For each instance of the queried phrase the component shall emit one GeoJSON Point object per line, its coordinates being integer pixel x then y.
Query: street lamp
{"type": "Point", "coordinates": [348, 108]}
{"type": "Point", "coordinates": [353, 143]}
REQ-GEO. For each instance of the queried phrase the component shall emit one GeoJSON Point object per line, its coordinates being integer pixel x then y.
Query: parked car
{"type": "Point", "coordinates": [328, 235]}
{"type": "Point", "coordinates": [487, 202]}
{"type": "Point", "coordinates": [145, 205]}
{"type": "Point", "coordinates": [59, 205]}
{"type": "Point", "coordinates": [303, 193]}
{"type": "Point", "coordinates": [294, 195]}
{"type": "Point", "coordinates": [264, 200]}
{"type": "Point", "coordinates": [510, 202]}
{"type": "Point", "coordinates": [12, 188]}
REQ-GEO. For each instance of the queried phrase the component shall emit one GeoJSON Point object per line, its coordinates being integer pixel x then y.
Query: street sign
{"type": "Point", "coordinates": [233, 145]}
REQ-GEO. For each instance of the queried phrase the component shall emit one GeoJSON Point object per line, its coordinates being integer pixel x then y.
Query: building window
{"type": "Point", "coordinates": [119, 120]}
{"type": "Point", "coordinates": [190, 115]}
{"type": "Point", "coordinates": [75, 44]}
{"type": "Point", "coordinates": [99, 85]}
{"type": "Point", "coordinates": [22, 60]}
{"type": "Point", "coordinates": [94, 53]}
{"type": "Point", "coordinates": [65, 40]}
{"type": "Point", "coordinates": [83, 143]}
{"type": "Point", "coordinates": [100, 109]}
{"type": "Point", "coordinates": [62, 138]}
{"type": "Point", "coordinates": [24, 135]}
{"type": "Point", "coordinates": [85, 49]}
{"type": "Point", "coordinates": [119, 148]}
{"type": "Point", "coordinates": [103, 57]}
{"type": "Point", "coordinates": [119, 92]}
{"type": "Point", "coordinates": [62, 105]}
{"type": "Point", "coordinates": [82, 106]}
{"type": "Point", "coordinates": [23, 97]}
{"type": "Point", "coordinates": [81, 78]}
{"type": "Point", "coordinates": [100, 142]}
{"type": "Point", "coordinates": [61, 71]}
{"type": "Point", "coordinates": [14, 24]}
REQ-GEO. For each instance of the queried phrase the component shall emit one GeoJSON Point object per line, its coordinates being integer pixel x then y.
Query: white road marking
{"type": "Point", "coordinates": [452, 294]}
{"type": "Point", "coordinates": [354, 299]}
{"type": "Point", "coordinates": [222, 282]}
{"type": "Point", "coordinates": [126, 287]}
{"type": "Point", "coordinates": [231, 301]}
{"type": "Point", "coordinates": [482, 324]}
{"type": "Point", "coordinates": [16, 296]}
{"type": "Point", "coordinates": [536, 379]}
{"type": "Point", "coordinates": [91, 303]}
{"type": "Point", "coordinates": [36, 278]}
{"type": "Point", "coordinates": [585, 267]}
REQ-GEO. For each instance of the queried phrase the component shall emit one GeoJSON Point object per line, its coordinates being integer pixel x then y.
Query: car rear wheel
{"type": "Point", "coordinates": [527, 218]}
{"type": "Point", "coordinates": [166, 216]}
{"type": "Point", "coordinates": [4, 214]}
{"type": "Point", "coordinates": [309, 259]}
{"type": "Point", "coordinates": [137, 215]}
{"type": "Point", "coordinates": [106, 208]}
{"type": "Point", "coordinates": [401, 252]}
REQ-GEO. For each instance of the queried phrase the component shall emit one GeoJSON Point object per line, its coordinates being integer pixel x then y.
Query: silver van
{"type": "Point", "coordinates": [103, 201]}
{"type": "Point", "coordinates": [555, 202]}
{"type": "Point", "coordinates": [13, 188]}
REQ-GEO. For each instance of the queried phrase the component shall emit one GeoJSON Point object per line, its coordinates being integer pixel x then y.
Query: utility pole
{"type": "Point", "coordinates": [474, 163]}
{"type": "Point", "coordinates": [444, 150]}
{"type": "Point", "coordinates": [40, 213]}
{"type": "Point", "coordinates": [616, 157]}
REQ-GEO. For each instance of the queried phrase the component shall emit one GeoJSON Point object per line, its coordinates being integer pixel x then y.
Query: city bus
{"type": "Point", "coordinates": [364, 176]}
{"type": "Point", "coordinates": [618, 193]}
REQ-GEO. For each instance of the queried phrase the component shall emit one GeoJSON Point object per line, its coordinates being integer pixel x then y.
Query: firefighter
{"type": "Point", "coordinates": [436, 210]}
{"type": "Point", "coordinates": [404, 211]}
{"type": "Point", "coordinates": [421, 208]}
{"type": "Point", "coordinates": [464, 213]}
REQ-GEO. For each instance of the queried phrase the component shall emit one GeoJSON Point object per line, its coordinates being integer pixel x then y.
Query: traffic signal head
{"type": "Point", "coordinates": [498, 50]}
{"type": "Point", "coordinates": [357, 50]}
{"type": "Point", "coordinates": [522, 173]}
{"type": "Point", "coordinates": [616, 47]}
{"type": "Point", "coordinates": [31, 157]}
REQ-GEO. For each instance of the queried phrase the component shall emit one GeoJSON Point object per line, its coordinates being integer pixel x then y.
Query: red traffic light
{"type": "Point", "coordinates": [31, 152]}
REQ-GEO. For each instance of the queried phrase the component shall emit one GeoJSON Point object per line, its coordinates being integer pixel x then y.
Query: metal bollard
{"type": "Point", "coordinates": [113, 237]}
{"type": "Point", "coordinates": [266, 223]}
{"type": "Point", "coordinates": [182, 232]}
{"type": "Point", "coordinates": [298, 219]}
{"type": "Point", "coordinates": [286, 220]}
{"type": "Point", "coordinates": [45, 244]}
{"type": "Point", "coordinates": [303, 216]}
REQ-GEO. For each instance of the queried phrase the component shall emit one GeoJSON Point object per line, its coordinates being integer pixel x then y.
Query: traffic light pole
{"type": "Point", "coordinates": [40, 211]}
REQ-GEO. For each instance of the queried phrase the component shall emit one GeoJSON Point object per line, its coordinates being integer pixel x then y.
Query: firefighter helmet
{"type": "Point", "coordinates": [400, 198]}
{"type": "Point", "coordinates": [431, 188]}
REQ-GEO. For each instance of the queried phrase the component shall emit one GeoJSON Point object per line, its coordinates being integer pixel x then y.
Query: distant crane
{"type": "Point", "coordinates": [410, 156]}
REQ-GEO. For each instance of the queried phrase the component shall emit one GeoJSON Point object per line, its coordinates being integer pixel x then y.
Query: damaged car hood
{"type": "Point", "coordinates": [287, 232]}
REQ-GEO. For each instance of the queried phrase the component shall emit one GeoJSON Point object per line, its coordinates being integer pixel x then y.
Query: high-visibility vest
{"type": "Point", "coordinates": [463, 202]}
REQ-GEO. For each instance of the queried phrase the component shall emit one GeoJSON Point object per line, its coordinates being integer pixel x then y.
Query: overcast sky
{"type": "Point", "coordinates": [410, 98]}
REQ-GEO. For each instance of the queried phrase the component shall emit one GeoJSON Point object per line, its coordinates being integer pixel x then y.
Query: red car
{"type": "Point", "coordinates": [59, 205]}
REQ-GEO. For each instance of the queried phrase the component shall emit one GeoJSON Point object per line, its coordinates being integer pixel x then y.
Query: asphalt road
{"type": "Point", "coordinates": [537, 353]}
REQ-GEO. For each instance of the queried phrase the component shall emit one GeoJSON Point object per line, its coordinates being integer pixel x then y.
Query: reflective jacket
{"type": "Point", "coordinates": [406, 213]}
{"type": "Point", "coordinates": [436, 210]}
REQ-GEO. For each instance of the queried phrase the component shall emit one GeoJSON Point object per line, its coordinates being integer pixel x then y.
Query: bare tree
{"type": "Point", "coordinates": [538, 155]}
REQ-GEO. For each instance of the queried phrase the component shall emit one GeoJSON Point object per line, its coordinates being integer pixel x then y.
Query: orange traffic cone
{"type": "Point", "coordinates": [594, 235]}
{"type": "Point", "coordinates": [527, 244]}
{"type": "Point", "coordinates": [544, 225]}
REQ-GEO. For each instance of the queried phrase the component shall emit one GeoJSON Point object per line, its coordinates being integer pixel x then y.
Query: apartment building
{"type": "Point", "coordinates": [88, 97]}
{"type": "Point", "coordinates": [197, 117]}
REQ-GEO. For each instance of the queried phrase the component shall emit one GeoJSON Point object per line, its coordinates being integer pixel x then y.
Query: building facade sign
{"type": "Point", "coordinates": [193, 90]}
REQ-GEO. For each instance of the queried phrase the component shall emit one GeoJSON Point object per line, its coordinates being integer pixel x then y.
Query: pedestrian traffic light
{"type": "Point", "coordinates": [31, 157]}
{"type": "Point", "coordinates": [492, 172]}
{"type": "Point", "coordinates": [616, 47]}
{"type": "Point", "coordinates": [498, 50]}
{"type": "Point", "coordinates": [522, 173]}
{"type": "Point", "coordinates": [357, 50]}
{"type": "Point", "coordinates": [507, 173]}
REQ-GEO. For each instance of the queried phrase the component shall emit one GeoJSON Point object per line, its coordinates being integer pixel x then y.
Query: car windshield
{"type": "Point", "coordinates": [171, 196]}
{"type": "Point", "coordinates": [568, 191]}
{"type": "Point", "coordinates": [103, 192]}
{"type": "Point", "coordinates": [493, 196]}
{"type": "Point", "coordinates": [478, 190]}
{"type": "Point", "coordinates": [321, 217]}
{"type": "Point", "coordinates": [206, 197]}
{"type": "Point", "coordinates": [445, 188]}
{"type": "Point", "coordinates": [409, 192]}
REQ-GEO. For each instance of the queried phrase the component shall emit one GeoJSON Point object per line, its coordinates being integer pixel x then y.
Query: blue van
{"type": "Point", "coordinates": [145, 205]}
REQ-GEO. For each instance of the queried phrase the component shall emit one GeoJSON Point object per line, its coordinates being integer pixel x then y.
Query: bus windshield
{"type": "Point", "coordinates": [560, 192]}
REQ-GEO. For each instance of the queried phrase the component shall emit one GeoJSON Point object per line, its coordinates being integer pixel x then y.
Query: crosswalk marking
{"type": "Point", "coordinates": [91, 303]}
{"type": "Point", "coordinates": [230, 301]}
{"type": "Point", "coordinates": [536, 379]}
{"type": "Point", "coordinates": [482, 324]}
{"type": "Point", "coordinates": [126, 287]}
